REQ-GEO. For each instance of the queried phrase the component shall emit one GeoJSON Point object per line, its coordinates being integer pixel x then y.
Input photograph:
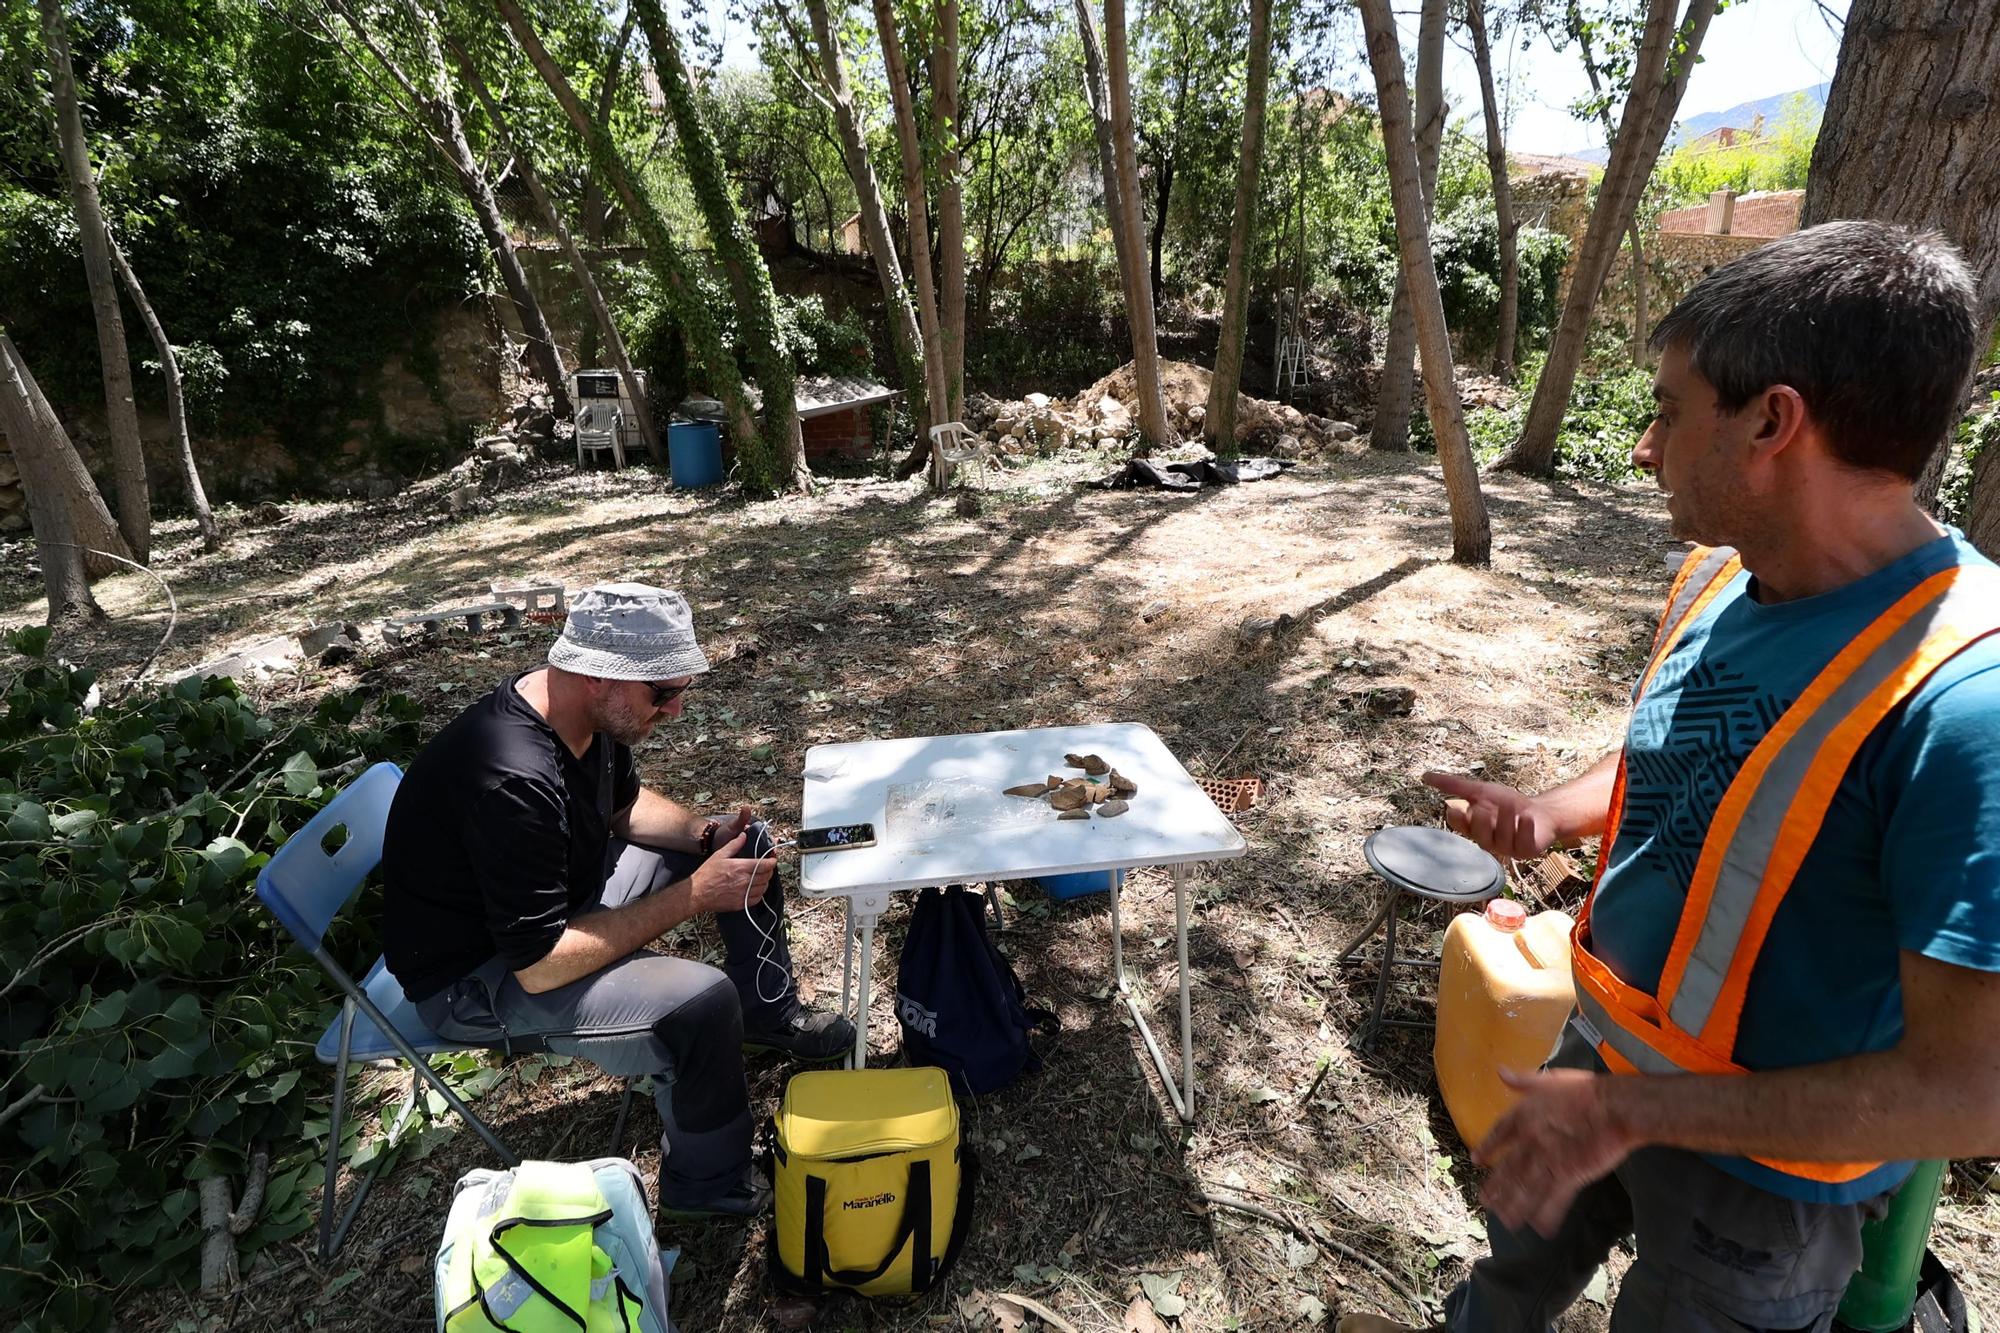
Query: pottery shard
{"type": "Point", "coordinates": [1093, 765]}
{"type": "Point", "coordinates": [1028, 789]}
{"type": "Point", "coordinates": [1121, 784]}
{"type": "Point", "coordinates": [1053, 783]}
{"type": "Point", "coordinates": [1113, 809]}
{"type": "Point", "coordinates": [1069, 798]}
{"type": "Point", "coordinates": [1074, 814]}
{"type": "Point", "coordinates": [1097, 791]}
{"type": "Point", "coordinates": [1073, 760]}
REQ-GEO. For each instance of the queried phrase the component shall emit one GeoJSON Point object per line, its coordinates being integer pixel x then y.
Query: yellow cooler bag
{"type": "Point", "coordinates": [874, 1190]}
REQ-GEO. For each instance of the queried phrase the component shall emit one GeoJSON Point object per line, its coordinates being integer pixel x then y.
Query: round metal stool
{"type": "Point", "coordinates": [1430, 863]}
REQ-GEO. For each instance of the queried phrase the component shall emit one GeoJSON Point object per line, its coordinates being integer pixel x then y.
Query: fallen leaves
{"type": "Point", "coordinates": [1140, 1317]}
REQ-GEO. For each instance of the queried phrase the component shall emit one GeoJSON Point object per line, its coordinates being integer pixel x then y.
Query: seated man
{"type": "Point", "coordinates": [527, 870]}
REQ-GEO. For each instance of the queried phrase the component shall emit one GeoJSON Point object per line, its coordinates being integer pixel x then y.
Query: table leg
{"type": "Point", "coordinates": [1180, 1093]}
{"type": "Point", "coordinates": [1187, 1002]}
{"type": "Point", "coordinates": [847, 962]}
{"type": "Point", "coordinates": [1117, 935]}
{"type": "Point", "coordinates": [867, 990]}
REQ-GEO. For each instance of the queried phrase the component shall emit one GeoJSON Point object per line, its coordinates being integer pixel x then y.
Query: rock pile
{"type": "Point", "coordinates": [1105, 413]}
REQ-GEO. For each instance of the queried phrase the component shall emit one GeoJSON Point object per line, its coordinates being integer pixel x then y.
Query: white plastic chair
{"type": "Point", "coordinates": [951, 444]}
{"type": "Point", "coordinates": [600, 426]}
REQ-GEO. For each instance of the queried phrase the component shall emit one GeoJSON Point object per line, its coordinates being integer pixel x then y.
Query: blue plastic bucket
{"type": "Point", "coordinates": [1065, 887]}
{"type": "Point", "coordinates": [694, 453]}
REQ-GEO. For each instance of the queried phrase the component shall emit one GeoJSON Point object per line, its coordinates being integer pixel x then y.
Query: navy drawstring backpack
{"type": "Point", "coordinates": [959, 1003]}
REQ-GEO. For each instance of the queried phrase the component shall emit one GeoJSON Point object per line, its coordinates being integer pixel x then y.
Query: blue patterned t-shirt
{"type": "Point", "coordinates": [1908, 857]}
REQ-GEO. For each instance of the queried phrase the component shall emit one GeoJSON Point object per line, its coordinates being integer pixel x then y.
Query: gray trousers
{"type": "Point", "coordinates": [673, 1018]}
{"type": "Point", "coordinates": [1715, 1254]}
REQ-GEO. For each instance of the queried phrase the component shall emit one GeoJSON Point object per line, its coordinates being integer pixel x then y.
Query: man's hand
{"type": "Point", "coordinates": [1561, 1136]}
{"type": "Point", "coordinates": [726, 882]}
{"type": "Point", "coordinates": [1504, 821]}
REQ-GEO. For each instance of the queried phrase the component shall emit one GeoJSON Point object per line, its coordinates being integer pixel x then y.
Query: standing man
{"type": "Point", "coordinates": [527, 870]}
{"type": "Point", "coordinates": [1788, 974]}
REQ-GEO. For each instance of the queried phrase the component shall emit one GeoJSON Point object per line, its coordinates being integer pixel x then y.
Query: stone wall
{"type": "Point", "coordinates": [1675, 262]}
{"type": "Point", "coordinates": [439, 416]}
{"type": "Point", "coordinates": [1556, 201]}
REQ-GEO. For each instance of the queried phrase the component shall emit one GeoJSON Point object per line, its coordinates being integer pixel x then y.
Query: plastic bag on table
{"type": "Point", "coordinates": [946, 807]}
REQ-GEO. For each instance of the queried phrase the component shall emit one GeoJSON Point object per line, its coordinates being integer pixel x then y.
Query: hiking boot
{"type": "Point", "coordinates": [1375, 1323]}
{"type": "Point", "coordinates": [749, 1197]}
{"type": "Point", "coordinates": [812, 1036]}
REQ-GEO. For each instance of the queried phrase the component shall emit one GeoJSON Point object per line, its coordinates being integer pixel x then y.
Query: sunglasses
{"type": "Point", "coordinates": [666, 694]}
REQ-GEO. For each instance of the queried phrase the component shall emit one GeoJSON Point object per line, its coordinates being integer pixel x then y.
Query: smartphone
{"type": "Point", "coordinates": [836, 837]}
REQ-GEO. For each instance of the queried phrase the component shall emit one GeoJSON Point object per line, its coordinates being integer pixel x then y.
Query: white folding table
{"type": "Point", "coordinates": [940, 819]}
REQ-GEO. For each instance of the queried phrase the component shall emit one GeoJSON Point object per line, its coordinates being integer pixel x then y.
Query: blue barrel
{"type": "Point", "coordinates": [694, 453]}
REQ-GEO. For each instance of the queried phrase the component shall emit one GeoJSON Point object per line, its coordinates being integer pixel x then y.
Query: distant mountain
{"type": "Point", "coordinates": [1742, 116]}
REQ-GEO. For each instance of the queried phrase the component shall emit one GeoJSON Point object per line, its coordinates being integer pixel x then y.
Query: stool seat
{"type": "Point", "coordinates": [1429, 863]}
{"type": "Point", "coordinates": [1435, 863]}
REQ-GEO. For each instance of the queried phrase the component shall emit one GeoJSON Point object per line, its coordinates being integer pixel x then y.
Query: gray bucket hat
{"type": "Point", "coordinates": [628, 631]}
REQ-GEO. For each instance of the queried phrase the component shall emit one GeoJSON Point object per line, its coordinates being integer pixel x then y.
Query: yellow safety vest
{"type": "Point", "coordinates": [532, 1264]}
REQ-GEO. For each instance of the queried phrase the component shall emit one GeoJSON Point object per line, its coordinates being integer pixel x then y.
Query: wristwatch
{"type": "Point", "coordinates": [706, 845]}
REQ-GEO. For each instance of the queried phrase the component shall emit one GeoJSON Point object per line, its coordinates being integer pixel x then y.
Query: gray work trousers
{"type": "Point", "coordinates": [673, 1018]}
{"type": "Point", "coordinates": [1715, 1254]}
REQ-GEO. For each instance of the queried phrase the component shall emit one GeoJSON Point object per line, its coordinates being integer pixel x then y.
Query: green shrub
{"type": "Point", "coordinates": [156, 1023]}
{"type": "Point", "coordinates": [1466, 246]}
{"type": "Point", "coordinates": [1607, 414]}
{"type": "Point", "coordinates": [1975, 434]}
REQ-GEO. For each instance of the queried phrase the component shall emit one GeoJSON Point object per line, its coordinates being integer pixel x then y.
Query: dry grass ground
{"type": "Point", "coordinates": [874, 610]}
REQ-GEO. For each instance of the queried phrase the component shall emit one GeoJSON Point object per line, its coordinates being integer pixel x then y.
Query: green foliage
{"type": "Point", "coordinates": [760, 461]}
{"type": "Point", "coordinates": [823, 343]}
{"type": "Point", "coordinates": [1975, 434]}
{"type": "Point", "coordinates": [1607, 414]}
{"type": "Point", "coordinates": [1777, 160]}
{"type": "Point", "coordinates": [164, 1019]}
{"type": "Point", "coordinates": [1465, 244]}
{"type": "Point", "coordinates": [1050, 327]}
{"type": "Point", "coordinates": [289, 250]}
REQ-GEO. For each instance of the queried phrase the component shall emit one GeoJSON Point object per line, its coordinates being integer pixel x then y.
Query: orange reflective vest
{"type": "Point", "coordinates": [1763, 826]}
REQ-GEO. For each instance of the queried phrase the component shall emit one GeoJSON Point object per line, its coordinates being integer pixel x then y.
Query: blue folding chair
{"type": "Point", "coordinates": [306, 886]}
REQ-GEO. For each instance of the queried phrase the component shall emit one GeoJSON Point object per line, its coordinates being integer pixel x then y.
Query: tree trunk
{"type": "Point", "coordinates": [435, 110]}
{"type": "Point", "coordinates": [1471, 536]}
{"type": "Point", "coordinates": [451, 129]}
{"type": "Point", "coordinates": [170, 368]}
{"type": "Point", "coordinates": [950, 206]}
{"type": "Point", "coordinates": [1982, 518]}
{"type": "Point", "coordinates": [593, 212]}
{"type": "Point", "coordinates": [1219, 422]}
{"type": "Point", "coordinates": [1156, 239]}
{"type": "Point", "coordinates": [128, 457]}
{"type": "Point", "coordinates": [903, 332]}
{"type": "Point", "coordinates": [1908, 137]}
{"type": "Point", "coordinates": [690, 307]}
{"type": "Point", "coordinates": [782, 462]}
{"type": "Point", "coordinates": [1641, 322]}
{"type": "Point", "coordinates": [1393, 397]}
{"type": "Point", "coordinates": [1153, 427]}
{"type": "Point", "coordinates": [1659, 77]}
{"type": "Point", "coordinates": [1099, 97]}
{"type": "Point", "coordinates": [1503, 196]}
{"type": "Point", "coordinates": [37, 439]}
{"type": "Point", "coordinates": [936, 392]}
{"type": "Point", "coordinates": [600, 312]}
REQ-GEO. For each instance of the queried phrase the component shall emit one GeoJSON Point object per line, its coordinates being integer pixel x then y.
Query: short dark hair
{"type": "Point", "coordinates": [1876, 326]}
